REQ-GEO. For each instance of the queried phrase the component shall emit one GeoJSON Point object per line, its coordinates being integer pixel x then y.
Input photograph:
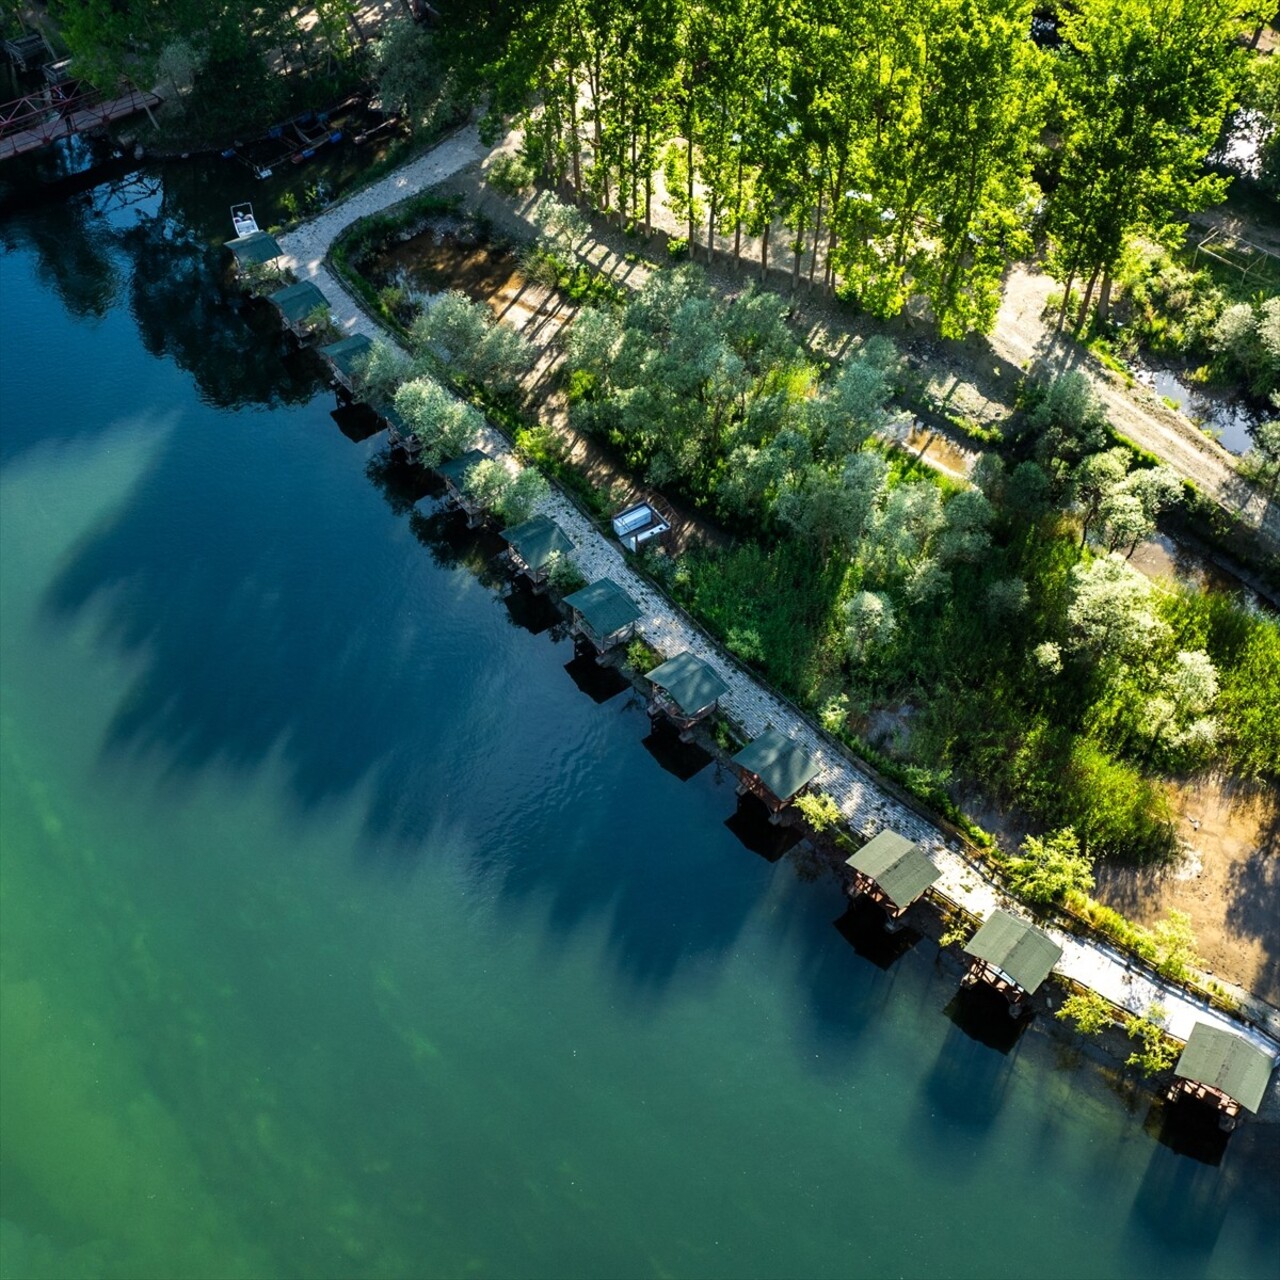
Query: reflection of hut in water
{"type": "Point", "coordinates": [775, 770]}
{"type": "Point", "coordinates": [532, 546]}
{"type": "Point", "coordinates": [346, 360]}
{"type": "Point", "coordinates": [685, 690]}
{"type": "Point", "coordinates": [255, 249]}
{"type": "Point", "coordinates": [864, 927]}
{"type": "Point", "coordinates": [603, 614]}
{"type": "Point", "coordinates": [892, 872]}
{"type": "Point", "coordinates": [1222, 1070]}
{"type": "Point", "coordinates": [974, 1067]}
{"type": "Point", "coordinates": [1012, 956]}
{"type": "Point", "coordinates": [454, 474]}
{"type": "Point", "coordinates": [296, 303]}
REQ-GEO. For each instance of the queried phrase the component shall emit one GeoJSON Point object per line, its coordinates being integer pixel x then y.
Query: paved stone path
{"type": "Point", "coordinates": [305, 246]}
{"type": "Point", "coordinates": [753, 708]}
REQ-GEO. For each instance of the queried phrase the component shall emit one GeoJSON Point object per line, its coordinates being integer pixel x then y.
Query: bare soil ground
{"type": "Point", "coordinates": [1228, 881]}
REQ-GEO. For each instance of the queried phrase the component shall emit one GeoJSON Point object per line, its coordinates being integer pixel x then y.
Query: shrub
{"type": "Point", "coordinates": [819, 810]}
{"type": "Point", "coordinates": [521, 497]}
{"type": "Point", "coordinates": [1156, 1052]}
{"type": "Point", "coordinates": [511, 174]}
{"type": "Point", "coordinates": [1175, 945]}
{"type": "Point", "coordinates": [563, 575]}
{"type": "Point", "coordinates": [642, 657]}
{"type": "Point", "coordinates": [1089, 1012]}
{"type": "Point", "coordinates": [1050, 868]}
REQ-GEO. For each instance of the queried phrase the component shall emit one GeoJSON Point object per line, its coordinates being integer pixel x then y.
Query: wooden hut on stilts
{"type": "Point", "coordinates": [892, 872]}
{"type": "Point", "coordinates": [1222, 1070]}
{"type": "Point", "coordinates": [603, 614]}
{"type": "Point", "coordinates": [774, 769]}
{"type": "Point", "coordinates": [532, 545]}
{"type": "Point", "coordinates": [1011, 956]}
{"type": "Point", "coordinates": [346, 359]}
{"type": "Point", "coordinates": [296, 304]}
{"type": "Point", "coordinates": [685, 690]}
{"type": "Point", "coordinates": [454, 474]}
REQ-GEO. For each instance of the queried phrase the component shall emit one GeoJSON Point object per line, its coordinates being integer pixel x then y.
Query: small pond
{"type": "Point", "coordinates": [1228, 419]}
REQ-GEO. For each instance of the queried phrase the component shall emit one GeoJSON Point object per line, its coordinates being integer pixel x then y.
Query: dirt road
{"type": "Point", "coordinates": [1022, 337]}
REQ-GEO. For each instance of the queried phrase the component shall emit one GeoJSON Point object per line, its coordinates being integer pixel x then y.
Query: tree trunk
{"type": "Point", "coordinates": [688, 159]}
{"type": "Point", "coordinates": [737, 215]}
{"type": "Point", "coordinates": [1066, 302]}
{"type": "Point", "coordinates": [648, 185]}
{"type": "Point", "coordinates": [1104, 296]}
{"type": "Point", "coordinates": [633, 198]}
{"type": "Point", "coordinates": [817, 236]}
{"type": "Point", "coordinates": [798, 250]}
{"type": "Point", "coordinates": [711, 227]}
{"type": "Point", "coordinates": [1083, 313]}
{"type": "Point", "coordinates": [576, 151]}
{"type": "Point", "coordinates": [764, 253]}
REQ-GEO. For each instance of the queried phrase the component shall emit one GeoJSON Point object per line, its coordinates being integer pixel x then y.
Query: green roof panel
{"type": "Point", "coordinates": [902, 869]}
{"type": "Point", "coordinates": [604, 606]}
{"type": "Point", "coordinates": [455, 470]}
{"type": "Point", "coordinates": [1228, 1062]}
{"type": "Point", "coordinates": [537, 540]}
{"type": "Point", "coordinates": [254, 249]}
{"type": "Point", "coordinates": [1021, 950]}
{"type": "Point", "coordinates": [348, 355]}
{"type": "Point", "coordinates": [781, 764]}
{"type": "Point", "coordinates": [297, 301]}
{"type": "Point", "coordinates": [691, 683]}
{"type": "Point", "coordinates": [391, 416]}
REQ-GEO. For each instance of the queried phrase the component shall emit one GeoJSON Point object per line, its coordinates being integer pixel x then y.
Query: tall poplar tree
{"type": "Point", "coordinates": [1143, 89]}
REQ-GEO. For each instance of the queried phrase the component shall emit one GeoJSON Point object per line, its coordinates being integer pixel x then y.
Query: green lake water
{"type": "Point", "coordinates": [343, 933]}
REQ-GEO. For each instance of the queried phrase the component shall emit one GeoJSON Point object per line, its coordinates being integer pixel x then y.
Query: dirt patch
{"type": "Point", "coordinates": [1227, 880]}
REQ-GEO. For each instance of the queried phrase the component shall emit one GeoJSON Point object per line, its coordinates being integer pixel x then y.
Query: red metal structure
{"type": "Point", "coordinates": [62, 111]}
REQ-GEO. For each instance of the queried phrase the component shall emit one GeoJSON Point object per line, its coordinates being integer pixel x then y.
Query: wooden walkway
{"type": "Point", "coordinates": [27, 124]}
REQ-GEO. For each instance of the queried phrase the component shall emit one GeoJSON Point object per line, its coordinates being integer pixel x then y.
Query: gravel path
{"type": "Point", "coordinates": [865, 807]}
{"type": "Point", "coordinates": [306, 245]}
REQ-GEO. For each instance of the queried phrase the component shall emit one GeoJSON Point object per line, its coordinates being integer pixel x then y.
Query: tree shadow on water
{"type": "Point", "coordinates": [276, 611]}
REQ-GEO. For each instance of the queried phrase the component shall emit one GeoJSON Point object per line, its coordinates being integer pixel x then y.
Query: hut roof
{"type": "Point", "coordinates": [1019, 949]}
{"type": "Point", "coordinates": [604, 606]}
{"type": "Point", "coordinates": [1226, 1061]}
{"type": "Point", "coordinates": [456, 468]}
{"type": "Point", "coordinates": [347, 354]}
{"type": "Point", "coordinates": [691, 683]}
{"type": "Point", "coordinates": [781, 764]}
{"type": "Point", "coordinates": [901, 868]}
{"type": "Point", "coordinates": [297, 301]}
{"type": "Point", "coordinates": [391, 415]}
{"type": "Point", "coordinates": [255, 248]}
{"type": "Point", "coordinates": [537, 540]}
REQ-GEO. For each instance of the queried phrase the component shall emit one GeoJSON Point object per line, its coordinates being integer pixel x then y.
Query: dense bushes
{"type": "Point", "coordinates": [1056, 677]}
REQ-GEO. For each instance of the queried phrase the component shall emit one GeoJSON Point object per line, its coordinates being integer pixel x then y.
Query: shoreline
{"type": "Point", "coordinates": [866, 807]}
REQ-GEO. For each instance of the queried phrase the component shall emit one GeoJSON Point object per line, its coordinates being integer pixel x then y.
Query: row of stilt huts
{"type": "Point", "coordinates": [1009, 955]}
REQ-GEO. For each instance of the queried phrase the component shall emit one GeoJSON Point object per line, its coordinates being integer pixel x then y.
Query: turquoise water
{"type": "Point", "coordinates": [343, 934]}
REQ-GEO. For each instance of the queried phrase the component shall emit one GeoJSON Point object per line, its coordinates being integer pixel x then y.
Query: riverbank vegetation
{"type": "Point", "coordinates": [1032, 659]}
{"type": "Point", "coordinates": [1027, 660]}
